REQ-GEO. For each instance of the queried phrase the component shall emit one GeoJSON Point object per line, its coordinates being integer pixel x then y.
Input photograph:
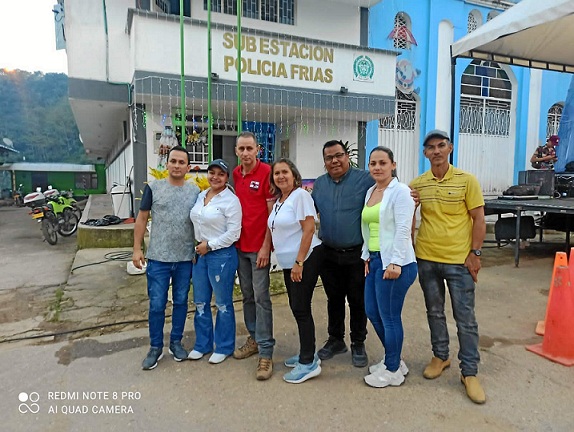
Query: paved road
{"type": "Point", "coordinates": [81, 373]}
{"type": "Point", "coordinates": [27, 260]}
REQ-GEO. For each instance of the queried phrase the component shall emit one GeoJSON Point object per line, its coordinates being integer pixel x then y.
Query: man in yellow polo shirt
{"type": "Point", "coordinates": [447, 247]}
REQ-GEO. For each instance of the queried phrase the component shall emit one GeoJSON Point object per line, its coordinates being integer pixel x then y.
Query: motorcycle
{"type": "Point", "coordinates": [65, 212]}
{"type": "Point", "coordinates": [67, 198]}
{"type": "Point", "coordinates": [44, 214]}
{"type": "Point", "coordinates": [17, 196]}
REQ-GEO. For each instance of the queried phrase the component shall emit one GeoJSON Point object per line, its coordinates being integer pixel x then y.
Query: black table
{"type": "Point", "coordinates": [517, 206]}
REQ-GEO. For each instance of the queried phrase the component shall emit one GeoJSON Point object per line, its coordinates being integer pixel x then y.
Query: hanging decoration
{"type": "Point", "coordinates": [166, 142]}
{"type": "Point", "coordinates": [401, 32]}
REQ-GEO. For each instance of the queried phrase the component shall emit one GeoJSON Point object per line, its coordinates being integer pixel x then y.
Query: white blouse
{"type": "Point", "coordinates": [218, 222]}
{"type": "Point", "coordinates": [285, 224]}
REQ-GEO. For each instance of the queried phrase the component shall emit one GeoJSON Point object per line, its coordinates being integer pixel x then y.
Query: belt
{"type": "Point", "coordinates": [347, 249]}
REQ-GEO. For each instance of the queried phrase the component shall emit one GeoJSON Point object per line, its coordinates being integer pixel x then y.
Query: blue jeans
{"type": "Point", "coordinates": [384, 299]}
{"type": "Point", "coordinates": [432, 276]}
{"type": "Point", "coordinates": [214, 272]}
{"type": "Point", "coordinates": [158, 277]}
{"type": "Point", "coordinates": [257, 308]}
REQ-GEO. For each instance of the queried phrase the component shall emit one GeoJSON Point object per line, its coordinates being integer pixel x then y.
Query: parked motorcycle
{"type": "Point", "coordinates": [18, 197]}
{"type": "Point", "coordinates": [65, 212]}
{"type": "Point", "coordinates": [44, 214]}
{"type": "Point", "coordinates": [67, 197]}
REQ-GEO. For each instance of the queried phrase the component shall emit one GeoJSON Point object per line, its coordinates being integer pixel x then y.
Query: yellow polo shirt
{"type": "Point", "coordinates": [445, 232]}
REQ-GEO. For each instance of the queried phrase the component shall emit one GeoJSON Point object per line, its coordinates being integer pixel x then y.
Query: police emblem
{"type": "Point", "coordinates": [363, 68]}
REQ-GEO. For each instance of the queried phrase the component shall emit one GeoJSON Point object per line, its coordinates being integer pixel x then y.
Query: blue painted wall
{"type": "Point", "coordinates": [426, 15]}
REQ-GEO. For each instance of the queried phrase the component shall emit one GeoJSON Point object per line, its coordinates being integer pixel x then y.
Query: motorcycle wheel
{"type": "Point", "coordinates": [77, 212]}
{"type": "Point", "coordinates": [68, 224]}
{"type": "Point", "coordinates": [49, 231]}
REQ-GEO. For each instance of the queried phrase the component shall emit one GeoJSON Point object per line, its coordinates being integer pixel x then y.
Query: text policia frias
{"type": "Point", "coordinates": [279, 58]}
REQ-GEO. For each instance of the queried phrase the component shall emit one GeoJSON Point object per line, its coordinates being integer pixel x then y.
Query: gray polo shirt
{"type": "Point", "coordinates": [171, 235]}
{"type": "Point", "coordinates": [339, 205]}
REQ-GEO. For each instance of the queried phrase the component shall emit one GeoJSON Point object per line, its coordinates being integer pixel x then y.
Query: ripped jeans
{"type": "Point", "coordinates": [214, 272]}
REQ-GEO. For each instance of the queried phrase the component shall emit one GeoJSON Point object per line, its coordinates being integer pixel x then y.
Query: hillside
{"type": "Point", "coordinates": [36, 116]}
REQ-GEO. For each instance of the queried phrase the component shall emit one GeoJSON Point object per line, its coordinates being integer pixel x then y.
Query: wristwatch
{"type": "Point", "coordinates": [477, 252]}
{"type": "Point", "coordinates": [299, 263]}
{"type": "Point", "coordinates": [209, 247]}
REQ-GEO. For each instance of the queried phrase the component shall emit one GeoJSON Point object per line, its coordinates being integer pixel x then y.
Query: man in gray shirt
{"type": "Point", "coordinates": [170, 253]}
{"type": "Point", "coordinates": [339, 197]}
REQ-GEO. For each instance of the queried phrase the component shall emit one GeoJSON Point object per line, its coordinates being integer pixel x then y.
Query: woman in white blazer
{"type": "Point", "coordinates": [390, 263]}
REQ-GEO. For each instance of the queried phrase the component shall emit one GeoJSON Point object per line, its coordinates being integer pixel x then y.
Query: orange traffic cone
{"type": "Point", "coordinates": [558, 342]}
{"type": "Point", "coordinates": [559, 260]}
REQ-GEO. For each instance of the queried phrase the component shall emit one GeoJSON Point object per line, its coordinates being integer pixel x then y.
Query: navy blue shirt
{"type": "Point", "coordinates": [339, 205]}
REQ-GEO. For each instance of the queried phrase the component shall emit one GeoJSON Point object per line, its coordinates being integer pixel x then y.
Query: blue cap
{"type": "Point", "coordinates": [220, 163]}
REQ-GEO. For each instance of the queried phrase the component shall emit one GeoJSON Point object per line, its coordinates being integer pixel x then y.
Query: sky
{"type": "Point", "coordinates": [27, 37]}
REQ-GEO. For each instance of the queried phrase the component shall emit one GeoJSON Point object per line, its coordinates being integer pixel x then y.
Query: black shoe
{"type": "Point", "coordinates": [359, 355]}
{"type": "Point", "coordinates": [332, 347]}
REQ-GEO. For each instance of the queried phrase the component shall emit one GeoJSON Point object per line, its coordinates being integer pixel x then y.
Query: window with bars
{"type": "Point", "coordinates": [404, 117]}
{"type": "Point", "coordinates": [401, 31]}
{"type": "Point", "coordinates": [474, 21]}
{"type": "Point", "coordinates": [485, 103]}
{"type": "Point", "coordinates": [281, 11]}
{"type": "Point", "coordinates": [553, 119]}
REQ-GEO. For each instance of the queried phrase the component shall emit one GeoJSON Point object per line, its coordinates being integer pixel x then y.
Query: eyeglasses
{"type": "Point", "coordinates": [338, 156]}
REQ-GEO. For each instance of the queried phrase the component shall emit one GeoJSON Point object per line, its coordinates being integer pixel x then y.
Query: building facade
{"type": "Point", "coordinates": [501, 113]}
{"type": "Point", "coordinates": [307, 76]}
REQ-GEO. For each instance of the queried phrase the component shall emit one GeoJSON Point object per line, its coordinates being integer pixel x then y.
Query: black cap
{"type": "Point", "coordinates": [435, 133]}
{"type": "Point", "coordinates": [220, 163]}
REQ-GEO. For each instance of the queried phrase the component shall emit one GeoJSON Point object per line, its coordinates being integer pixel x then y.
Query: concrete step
{"type": "Point", "coordinates": [111, 236]}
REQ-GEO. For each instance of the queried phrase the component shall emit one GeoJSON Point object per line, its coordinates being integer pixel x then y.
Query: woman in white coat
{"type": "Point", "coordinates": [390, 263]}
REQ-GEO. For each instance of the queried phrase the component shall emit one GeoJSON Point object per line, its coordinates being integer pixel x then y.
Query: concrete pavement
{"type": "Point", "coordinates": [99, 371]}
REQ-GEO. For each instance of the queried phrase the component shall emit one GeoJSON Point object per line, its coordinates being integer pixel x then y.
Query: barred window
{"type": "Point", "coordinates": [402, 31]}
{"type": "Point", "coordinates": [250, 9]}
{"type": "Point", "coordinates": [281, 11]}
{"type": "Point", "coordinates": [554, 116]}
{"type": "Point", "coordinates": [404, 117]}
{"type": "Point", "coordinates": [474, 21]}
{"type": "Point", "coordinates": [486, 93]}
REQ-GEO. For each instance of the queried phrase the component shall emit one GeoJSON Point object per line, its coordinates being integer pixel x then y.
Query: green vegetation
{"type": "Point", "coordinates": [35, 114]}
{"type": "Point", "coordinates": [56, 305]}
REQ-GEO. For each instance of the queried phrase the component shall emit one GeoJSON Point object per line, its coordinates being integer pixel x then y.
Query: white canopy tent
{"type": "Point", "coordinates": [534, 33]}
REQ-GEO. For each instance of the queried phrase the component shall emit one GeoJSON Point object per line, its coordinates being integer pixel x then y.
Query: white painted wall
{"type": "Point", "coordinates": [119, 169]}
{"type": "Point", "coordinates": [306, 146]}
{"type": "Point", "coordinates": [443, 84]}
{"type": "Point", "coordinates": [532, 128]}
{"type": "Point", "coordinates": [338, 22]}
{"type": "Point", "coordinates": [153, 45]}
{"type": "Point", "coordinates": [88, 56]}
{"type": "Point", "coordinates": [152, 52]}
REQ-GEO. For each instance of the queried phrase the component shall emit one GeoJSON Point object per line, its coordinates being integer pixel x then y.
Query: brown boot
{"type": "Point", "coordinates": [435, 367]}
{"type": "Point", "coordinates": [264, 369]}
{"type": "Point", "coordinates": [474, 390]}
{"type": "Point", "coordinates": [246, 350]}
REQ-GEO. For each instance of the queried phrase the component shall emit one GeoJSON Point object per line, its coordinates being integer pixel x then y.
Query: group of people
{"type": "Point", "coordinates": [363, 252]}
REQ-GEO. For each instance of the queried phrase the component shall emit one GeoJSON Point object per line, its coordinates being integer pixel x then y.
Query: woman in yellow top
{"type": "Point", "coordinates": [390, 263]}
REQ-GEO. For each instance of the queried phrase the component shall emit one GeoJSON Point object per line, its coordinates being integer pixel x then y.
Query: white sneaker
{"type": "Point", "coordinates": [402, 367]}
{"type": "Point", "coordinates": [383, 378]}
{"type": "Point", "coordinates": [217, 358]}
{"type": "Point", "coordinates": [194, 355]}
